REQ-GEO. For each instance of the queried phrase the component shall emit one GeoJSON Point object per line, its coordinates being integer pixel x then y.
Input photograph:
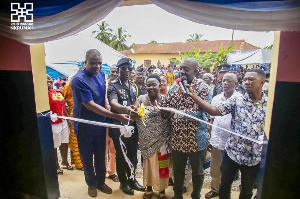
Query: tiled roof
{"type": "Point", "coordinates": [173, 48]}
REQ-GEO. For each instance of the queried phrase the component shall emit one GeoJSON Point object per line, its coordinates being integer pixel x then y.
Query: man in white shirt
{"type": "Point", "coordinates": [219, 137]}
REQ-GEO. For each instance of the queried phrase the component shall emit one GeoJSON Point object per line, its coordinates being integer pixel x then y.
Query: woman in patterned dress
{"type": "Point", "coordinates": [154, 132]}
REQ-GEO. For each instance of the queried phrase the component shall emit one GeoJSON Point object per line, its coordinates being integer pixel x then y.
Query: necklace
{"type": "Point", "coordinates": [154, 104]}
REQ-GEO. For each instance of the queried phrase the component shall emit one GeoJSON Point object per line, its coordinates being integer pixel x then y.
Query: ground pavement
{"type": "Point", "coordinates": [72, 186]}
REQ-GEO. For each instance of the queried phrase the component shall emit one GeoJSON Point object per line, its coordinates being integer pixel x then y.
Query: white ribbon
{"type": "Point", "coordinates": [260, 139]}
{"type": "Point", "coordinates": [123, 147]}
{"type": "Point", "coordinates": [125, 131]}
{"type": "Point", "coordinates": [130, 165]}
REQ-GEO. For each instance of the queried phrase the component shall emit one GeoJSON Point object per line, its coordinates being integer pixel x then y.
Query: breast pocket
{"type": "Point", "coordinates": [123, 95]}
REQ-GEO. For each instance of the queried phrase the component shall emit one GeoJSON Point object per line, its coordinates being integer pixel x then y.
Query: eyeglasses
{"type": "Point", "coordinates": [124, 68]}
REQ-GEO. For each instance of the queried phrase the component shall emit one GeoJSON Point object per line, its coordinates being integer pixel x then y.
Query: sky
{"type": "Point", "coordinates": [149, 22]}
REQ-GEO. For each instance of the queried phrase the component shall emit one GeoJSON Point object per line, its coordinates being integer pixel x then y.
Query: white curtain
{"type": "Point", "coordinates": [62, 24]}
{"type": "Point", "coordinates": [234, 16]}
{"type": "Point", "coordinates": [284, 16]}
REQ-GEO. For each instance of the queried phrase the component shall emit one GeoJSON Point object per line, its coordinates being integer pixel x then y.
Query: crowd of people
{"type": "Point", "coordinates": [169, 142]}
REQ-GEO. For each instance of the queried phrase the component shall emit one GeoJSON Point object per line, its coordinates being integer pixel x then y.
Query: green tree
{"type": "Point", "coordinates": [104, 33]}
{"type": "Point", "coordinates": [118, 41]}
{"type": "Point", "coordinates": [152, 42]}
{"type": "Point", "coordinates": [208, 60]}
{"type": "Point", "coordinates": [269, 47]}
{"type": "Point", "coordinates": [133, 44]}
{"type": "Point", "coordinates": [195, 37]}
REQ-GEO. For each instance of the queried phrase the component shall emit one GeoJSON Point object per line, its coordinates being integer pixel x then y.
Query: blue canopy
{"type": "Point", "coordinates": [53, 73]}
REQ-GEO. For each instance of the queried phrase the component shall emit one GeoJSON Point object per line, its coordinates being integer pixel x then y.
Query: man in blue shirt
{"type": "Point", "coordinates": [89, 91]}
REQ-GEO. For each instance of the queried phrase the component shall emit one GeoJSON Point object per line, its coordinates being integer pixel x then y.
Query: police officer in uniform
{"type": "Point", "coordinates": [122, 95]}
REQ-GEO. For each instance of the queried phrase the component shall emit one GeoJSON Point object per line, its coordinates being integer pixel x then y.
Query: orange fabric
{"type": "Point", "coordinates": [67, 93]}
{"type": "Point", "coordinates": [111, 153]}
{"type": "Point", "coordinates": [73, 143]}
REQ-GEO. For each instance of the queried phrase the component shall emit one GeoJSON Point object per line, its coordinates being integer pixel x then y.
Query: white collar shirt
{"type": "Point", "coordinates": [219, 137]}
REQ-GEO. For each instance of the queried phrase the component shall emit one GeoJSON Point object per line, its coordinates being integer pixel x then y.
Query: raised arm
{"type": "Point", "coordinates": [212, 110]}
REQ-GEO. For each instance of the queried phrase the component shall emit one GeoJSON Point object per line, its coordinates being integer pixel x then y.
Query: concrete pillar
{"type": "Point", "coordinates": [281, 169]}
{"type": "Point", "coordinates": [27, 158]}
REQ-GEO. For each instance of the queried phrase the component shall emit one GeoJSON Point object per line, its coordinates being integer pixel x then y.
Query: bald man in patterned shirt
{"type": "Point", "coordinates": [190, 137]}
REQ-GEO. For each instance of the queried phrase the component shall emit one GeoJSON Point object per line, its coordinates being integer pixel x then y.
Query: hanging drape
{"type": "Point", "coordinates": [55, 19]}
{"type": "Point", "coordinates": [62, 20]}
{"type": "Point", "coordinates": [254, 15]}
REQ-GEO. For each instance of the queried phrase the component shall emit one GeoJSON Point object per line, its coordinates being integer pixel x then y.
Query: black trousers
{"type": "Point", "coordinates": [91, 143]}
{"type": "Point", "coordinates": [131, 144]}
{"type": "Point", "coordinates": [197, 159]}
{"type": "Point", "coordinates": [228, 171]}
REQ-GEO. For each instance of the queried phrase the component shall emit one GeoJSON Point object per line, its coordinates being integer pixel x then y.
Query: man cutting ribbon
{"type": "Point", "coordinates": [190, 137]}
{"type": "Point", "coordinates": [89, 103]}
{"type": "Point", "coordinates": [122, 95]}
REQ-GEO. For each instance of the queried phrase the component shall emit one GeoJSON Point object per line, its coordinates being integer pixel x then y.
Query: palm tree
{"type": "Point", "coordinates": [195, 37]}
{"type": "Point", "coordinates": [152, 42]}
{"type": "Point", "coordinates": [104, 33]}
{"type": "Point", "coordinates": [118, 41]}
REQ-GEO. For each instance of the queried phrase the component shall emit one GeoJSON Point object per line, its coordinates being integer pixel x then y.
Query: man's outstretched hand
{"type": "Point", "coordinates": [123, 118]}
{"type": "Point", "coordinates": [133, 111]}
